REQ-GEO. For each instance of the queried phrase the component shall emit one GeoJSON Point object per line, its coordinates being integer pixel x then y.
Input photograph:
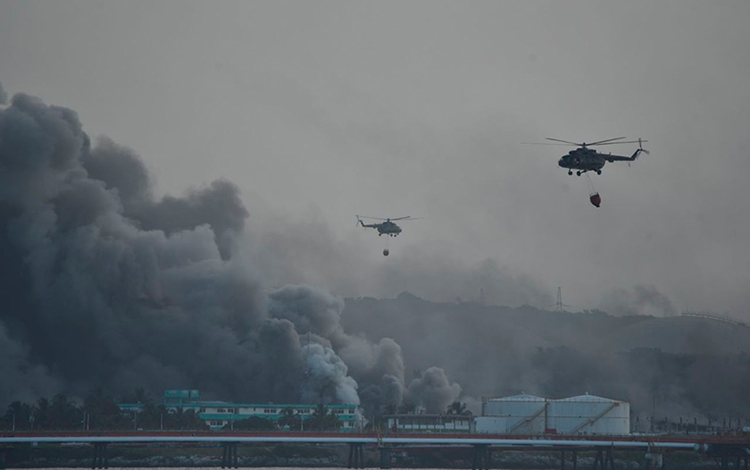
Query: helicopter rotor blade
{"type": "Point", "coordinates": [543, 143]}
{"type": "Point", "coordinates": [623, 142]}
{"type": "Point", "coordinates": [371, 218]}
{"type": "Point", "coordinates": [598, 142]}
{"type": "Point", "coordinates": [564, 141]}
{"type": "Point", "coordinates": [408, 218]}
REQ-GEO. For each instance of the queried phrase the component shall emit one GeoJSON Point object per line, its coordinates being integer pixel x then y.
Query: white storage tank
{"type": "Point", "coordinates": [588, 414]}
{"type": "Point", "coordinates": [518, 414]}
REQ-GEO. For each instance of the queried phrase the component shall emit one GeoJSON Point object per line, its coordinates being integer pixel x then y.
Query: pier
{"type": "Point", "coordinates": [728, 451]}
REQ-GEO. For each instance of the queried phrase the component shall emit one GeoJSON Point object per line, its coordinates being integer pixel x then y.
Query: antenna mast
{"type": "Point", "coordinates": [559, 303]}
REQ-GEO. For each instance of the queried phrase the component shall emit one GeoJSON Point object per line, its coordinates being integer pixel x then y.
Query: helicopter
{"type": "Point", "coordinates": [585, 159]}
{"type": "Point", "coordinates": [387, 227]}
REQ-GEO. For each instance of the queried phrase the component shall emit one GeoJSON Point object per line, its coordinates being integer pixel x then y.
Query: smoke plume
{"type": "Point", "coordinates": [106, 286]}
{"type": "Point", "coordinates": [433, 390]}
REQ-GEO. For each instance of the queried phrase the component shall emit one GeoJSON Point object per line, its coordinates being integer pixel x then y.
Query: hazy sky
{"type": "Point", "coordinates": [322, 110]}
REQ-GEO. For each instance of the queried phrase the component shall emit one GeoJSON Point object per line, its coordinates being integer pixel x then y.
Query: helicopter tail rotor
{"type": "Point", "coordinates": [638, 152]}
{"type": "Point", "coordinates": [640, 147]}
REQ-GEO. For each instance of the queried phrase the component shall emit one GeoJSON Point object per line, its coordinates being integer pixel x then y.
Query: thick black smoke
{"type": "Point", "coordinates": [105, 286]}
{"type": "Point", "coordinates": [122, 170]}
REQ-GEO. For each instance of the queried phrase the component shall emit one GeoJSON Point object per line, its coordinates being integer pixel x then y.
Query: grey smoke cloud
{"type": "Point", "coordinates": [433, 390]}
{"type": "Point", "coordinates": [639, 300]}
{"type": "Point", "coordinates": [219, 205]}
{"type": "Point", "coordinates": [373, 365]}
{"type": "Point", "coordinates": [104, 297]}
{"type": "Point", "coordinates": [22, 379]}
{"type": "Point", "coordinates": [307, 249]}
{"type": "Point", "coordinates": [110, 287]}
{"type": "Point", "coordinates": [328, 377]}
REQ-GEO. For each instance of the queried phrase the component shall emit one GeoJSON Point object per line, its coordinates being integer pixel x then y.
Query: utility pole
{"type": "Point", "coordinates": [308, 390]}
{"type": "Point", "coordinates": [559, 303]}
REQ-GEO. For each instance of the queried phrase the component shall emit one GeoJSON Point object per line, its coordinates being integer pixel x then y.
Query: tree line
{"type": "Point", "coordinates": [98, 411]}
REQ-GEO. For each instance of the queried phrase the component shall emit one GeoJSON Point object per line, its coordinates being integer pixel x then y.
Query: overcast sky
{"type": "Point", "coordinates": [322, 110]}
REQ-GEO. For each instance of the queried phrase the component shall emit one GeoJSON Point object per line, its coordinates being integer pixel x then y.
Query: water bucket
{"type": "Point", "coordinates": [595, 199]}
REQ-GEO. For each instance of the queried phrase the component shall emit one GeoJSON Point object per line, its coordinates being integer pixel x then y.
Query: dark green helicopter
{"type": "Point", "coordinates": [387, 227]}
{"type": "Point", "coordinates": [585, 159]}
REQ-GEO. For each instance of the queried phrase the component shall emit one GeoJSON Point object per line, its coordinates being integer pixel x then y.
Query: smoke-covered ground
{"type": "Point", "coordinates": [676, 367]}
{"type": "Point", "coordinates": [107, 285]}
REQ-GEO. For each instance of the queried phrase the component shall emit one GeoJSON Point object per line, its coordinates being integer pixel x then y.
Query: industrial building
{"type": "Point", "coordinates": [528, 415]}
{"type": "Point", "coordinates": [218, 414]}
{"type": "Point", "coordinates": [430, 423]}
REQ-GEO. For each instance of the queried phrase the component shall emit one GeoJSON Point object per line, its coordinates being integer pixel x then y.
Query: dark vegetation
{"type": "Point", "coordinates": [98, 411]}
{"type": "Point", "coordinates": [322, 419]}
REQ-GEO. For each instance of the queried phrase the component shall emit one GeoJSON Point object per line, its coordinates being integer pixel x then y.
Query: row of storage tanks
{"type": "Point", "coordinates": [529, 414]}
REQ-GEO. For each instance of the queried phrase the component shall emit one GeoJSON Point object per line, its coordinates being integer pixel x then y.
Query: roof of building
{"type": "Point", "coordinates": [454, 417]}
{"type": "Point", "coordinates": [532, 398]}
{"type": "Point", "coordinates": [521, 397]}
{"type": "Point", "coordinates": [223, 404]}
{"type": "Point", "coordinates": [587, 398]}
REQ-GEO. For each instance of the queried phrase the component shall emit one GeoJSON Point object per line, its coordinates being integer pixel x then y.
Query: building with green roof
{"type": "Point", "coordinates": [221, 415]}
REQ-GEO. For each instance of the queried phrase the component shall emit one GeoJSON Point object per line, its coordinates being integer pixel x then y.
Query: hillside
{"type": "Point", "coordinates": [491, 350]}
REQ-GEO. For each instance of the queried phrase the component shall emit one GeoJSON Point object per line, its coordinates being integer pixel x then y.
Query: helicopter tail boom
{"type": "Point", "coordinates": [359, 222]}
{"type": "Point", "coordinates": [632, 158]}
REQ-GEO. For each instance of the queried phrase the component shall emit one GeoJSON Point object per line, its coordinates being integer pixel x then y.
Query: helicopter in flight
{"type": "Point", "coordinates": [585, 159]}
{"type": "Point", "coordinates": [387, 227]}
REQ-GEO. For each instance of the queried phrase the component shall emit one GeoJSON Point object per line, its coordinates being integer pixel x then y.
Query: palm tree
{"type": "Point", "coordinates": [253, 423]}
{"type": "Point", "coordinates": [104, 412]}
{"type": "Point", "coordinates": [41, 414]}
{"type": "Point", "coordinates": [186, 420]}
{"type": "Point", "coordinates": [457, 408]}
{"type": "Point", "coordinates": [63, 414]}
{"type": "Point", "coordinates": [18, 415]}
{"type": "Point", "coordinates": [290, 419]}
{"type": "Point", "coordinates": [407, 407]}
{"type": "Point", "coordinates": [323, 420]}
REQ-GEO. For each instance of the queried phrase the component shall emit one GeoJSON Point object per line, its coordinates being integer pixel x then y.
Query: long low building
{"type": "Point", "coordinates": [528, 415]}
{"type": "Point", "coordinates": [430, 423]}
{"type": "Point", "coordinates": [220, 414]}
